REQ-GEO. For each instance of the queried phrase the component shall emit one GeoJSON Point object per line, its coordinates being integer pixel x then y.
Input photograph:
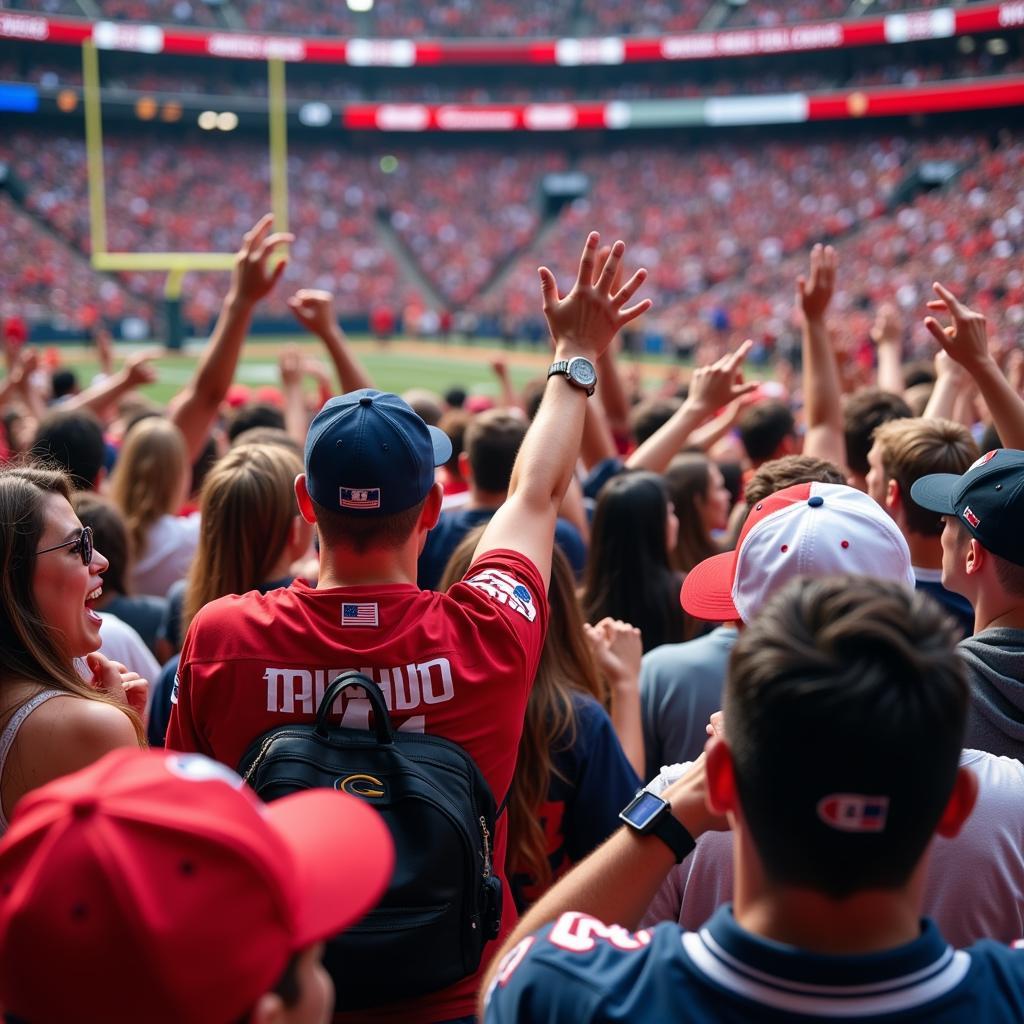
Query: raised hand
{"type": "Point", "coordinates": [887, 328]}
{"type": "Point", "coordinates": [289, 363]}
{"type": "Point", "coordinates": [314, 309]}
{"type": "Point", "coordinates": [139, 369]}
{"type": "Point", "coordinates": [814, 293]}
{"type": "Point", "coordinates": [966, 338]}
{"type": "Point", "coordinates": [585, 321]}
{"type": "Point", "coordinates": [617, 648]}
{"type": "Point", "coordinates": [253, 276]}
{"type": "Point", "coordinates": [714, 386]}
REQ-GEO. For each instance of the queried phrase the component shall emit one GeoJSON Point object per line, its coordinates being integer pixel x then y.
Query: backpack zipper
{"type": "Point", "coordinates": [487, 846]}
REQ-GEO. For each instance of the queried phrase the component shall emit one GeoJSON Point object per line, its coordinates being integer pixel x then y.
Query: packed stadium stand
{"type": "Point", "coordinates": [474, 18]}
{"type": "Point", "coordinates": [722, 217]}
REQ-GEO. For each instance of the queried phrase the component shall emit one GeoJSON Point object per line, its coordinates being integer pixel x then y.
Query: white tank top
{"type": "Point", "coordinates": [11, 731]}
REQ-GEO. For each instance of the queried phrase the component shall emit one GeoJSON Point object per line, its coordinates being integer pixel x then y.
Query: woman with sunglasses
{"type": "Point", "coordinates": [62, 705]}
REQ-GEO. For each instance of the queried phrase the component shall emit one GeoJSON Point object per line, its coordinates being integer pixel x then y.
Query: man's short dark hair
{"type": "Point", "coordinates": [359, 531]}
{"type": "Point", "coordinates": [256, 414]}
{"type": "Point", "coordinates": [763, 427]}
{"type": "Point", "coordinates": [844, 687]}
{"type": "Point", "coordinates": [1010, 576]}
{"type": "Point", "coordinates": [915, 448]}
{"type": "Point", "coordinates": [492, 443]}
{"type": "Point", "coordinates": [72, 440]}
{"type": "Point", "coordinates": [63, 382]}
{"type": "Point", "coordinates": [454, 423]}
{"type": "Point", "coordinates": [863, 413]}
{"type": "Point", "coordinates": [777, 474]}
{"type": "Point", "coordinates": [650, 415]}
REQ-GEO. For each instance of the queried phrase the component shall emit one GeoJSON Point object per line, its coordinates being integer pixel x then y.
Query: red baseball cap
{"type": "Point", "coordinates": [809, 529]}
{"type": "Point", "coordinates": [154, 886]}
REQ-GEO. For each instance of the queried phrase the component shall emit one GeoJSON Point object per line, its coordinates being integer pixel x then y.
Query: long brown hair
{"type": "Point", "coordinates": [688, 480]}
{"type": "Point", "coordinates": [28, 650]}
{"type": "Point", "coordinates": [247, 507]}
{"type": "Point", "coordinates": [566, 667]}
{"type": "Point", "coordinates": [147, 479]}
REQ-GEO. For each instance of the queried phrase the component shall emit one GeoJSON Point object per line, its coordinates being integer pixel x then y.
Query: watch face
{"type": "Point", "coordinates": [582, 371]}
{"type": "Point", "coordinates": [642, 810]}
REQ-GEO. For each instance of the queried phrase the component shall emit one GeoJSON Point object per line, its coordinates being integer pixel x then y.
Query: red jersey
{"type": "Point", "coordinates": [458, 665]}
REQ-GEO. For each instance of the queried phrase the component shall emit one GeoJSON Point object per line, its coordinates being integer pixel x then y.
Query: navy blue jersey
{"type": "Point", "coordinates": [579, 969]}
{"type": "Point", "coordinates": [591, 781]}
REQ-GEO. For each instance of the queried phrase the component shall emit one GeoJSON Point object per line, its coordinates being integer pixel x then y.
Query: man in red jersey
{"type": "Point", "coordinates": [459, 664]}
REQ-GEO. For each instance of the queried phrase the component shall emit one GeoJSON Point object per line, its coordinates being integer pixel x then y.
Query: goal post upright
{"type": "Point", "coordinates": [175, 264]}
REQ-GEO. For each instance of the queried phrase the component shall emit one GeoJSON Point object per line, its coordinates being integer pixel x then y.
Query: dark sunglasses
{"type": "Point", "coordinates": [81, 545]}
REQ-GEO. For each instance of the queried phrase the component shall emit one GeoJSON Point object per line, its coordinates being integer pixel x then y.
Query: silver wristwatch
{"type": "Point", "coordinates": [578, 371]}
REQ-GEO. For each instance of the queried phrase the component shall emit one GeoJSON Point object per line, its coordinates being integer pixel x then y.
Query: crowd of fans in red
{"type": "Point", "coordinates": [714, 225]}
{"type": "Point", "coordinates": [465, 19]}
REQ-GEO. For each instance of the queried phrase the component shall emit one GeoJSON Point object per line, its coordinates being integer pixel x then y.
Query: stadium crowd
{"type": "Point", "coordinates": [739, 194]}
{"type": "Point", "coordinates": [490, 19]}
{"type": "Point", "coordinates": [735, 664]}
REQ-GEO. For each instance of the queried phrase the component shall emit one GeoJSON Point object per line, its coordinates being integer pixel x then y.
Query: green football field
{"type": "Point", "coordinates": [395, 366]}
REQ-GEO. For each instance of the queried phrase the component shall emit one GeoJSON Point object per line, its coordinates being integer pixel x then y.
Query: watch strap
{"type": "Point", "coordinates": [559, 367]}
{"type": "Point", "coordinates": [674, 835]}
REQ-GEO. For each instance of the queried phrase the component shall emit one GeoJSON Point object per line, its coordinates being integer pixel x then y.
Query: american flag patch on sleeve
{"type": "Point", "coordinates": [359, 614]}
{"type": "Point", "coordinates": [359, 497]}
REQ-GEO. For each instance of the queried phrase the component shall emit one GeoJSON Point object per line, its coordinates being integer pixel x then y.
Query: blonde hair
{"type": "Point", "coordinates": [566, 667]}
{"type": "Point", "coordinates": [148, 479]}
{"type": "Point", "coordinates": [912, 448]}
{"type": "Point", "coordinates": [28, 649]}
{"type": "Point", "coordinates": [247, 509]}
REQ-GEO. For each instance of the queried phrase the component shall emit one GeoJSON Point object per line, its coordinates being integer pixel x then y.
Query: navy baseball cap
{"type": "Point", "coordinates": [988, 499]}
{"type": "Point", "coordinates": [367, 451]}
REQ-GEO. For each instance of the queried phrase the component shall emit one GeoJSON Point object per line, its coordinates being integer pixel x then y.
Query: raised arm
{"type": "Point", "coordinates": [617, 882]}
{"type": "Point", "coordinates": [887, 334]}
{"type": "Point", "coordinates": [966, 341]}
{"type": "Point", "coordinates": [822, 393]}
{"type": "Point", "coordinates": [137, 370]}
{"type": "Point", "coordinates": [582, 323]}
{"type": "Point", "coordinates": [314, 309]}
{"type": "Point", "coordinates": [289, 364]}
{"type": "Point", "coordinates": [711, 388]}
{"type": "Point", "coordinates": [195, 408]}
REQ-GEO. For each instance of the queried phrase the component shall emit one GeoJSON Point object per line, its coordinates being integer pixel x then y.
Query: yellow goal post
{"type": "Point", "coordinates": [174, 264]}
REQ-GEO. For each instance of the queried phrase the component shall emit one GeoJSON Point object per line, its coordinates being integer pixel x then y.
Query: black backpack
{"type": "Point", "coordinates": [444, 901]}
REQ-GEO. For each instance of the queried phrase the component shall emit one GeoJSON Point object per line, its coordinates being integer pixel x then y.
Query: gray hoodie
{"type": "Point", "coordinates": [995, 672]}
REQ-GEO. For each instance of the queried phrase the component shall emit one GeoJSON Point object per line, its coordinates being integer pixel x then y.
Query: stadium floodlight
{"type": "Point", "coordinates": [207, 120]}
{"type": "Point", "coordinates": [360, 6]}
{"type": "Point", "coordinates": [228, 121]}
{"type": "Point", "coordinates": [315, 114]}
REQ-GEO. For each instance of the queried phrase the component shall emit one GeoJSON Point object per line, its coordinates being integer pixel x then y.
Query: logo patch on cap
{"type": "Point", "coordinates": [359, 497]}
{"type": "Point", "coordinates": [987, 457]}
{"type": "Point", "coordinates": [971, 517]}
{"type": "Point", "coordinates": [852, 812]}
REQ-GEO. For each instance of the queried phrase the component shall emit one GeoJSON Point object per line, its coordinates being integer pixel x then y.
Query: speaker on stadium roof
{"type": "Point", "coordinates": [560, 187]}
{"type": "Point", "coordinates": [11, 183]}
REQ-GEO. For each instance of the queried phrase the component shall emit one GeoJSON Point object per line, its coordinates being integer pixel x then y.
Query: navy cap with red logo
{"type": "Point", "coordinates": [368, 452]}
{"type": "Point", "coordinates": [988, 499]}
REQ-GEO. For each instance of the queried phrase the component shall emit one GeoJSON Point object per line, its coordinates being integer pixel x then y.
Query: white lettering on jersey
{"type": "Point", "coordinates": [405, 688]}
{"type": "Point", "coordinates": [509, 962]}
{"type": "Point", "coordinates": [507, 590]}
{"type": "Point", "coordinates": [577, 933]}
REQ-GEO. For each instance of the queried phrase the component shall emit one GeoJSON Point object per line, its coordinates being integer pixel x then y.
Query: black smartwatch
{"type": "Point", "coordinates": [648, 814]}
{"type": "Point", "coordinates": [578, 371]}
